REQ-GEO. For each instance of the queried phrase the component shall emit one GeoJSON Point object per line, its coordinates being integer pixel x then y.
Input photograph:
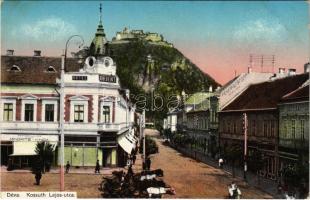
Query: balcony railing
{"type": "Point", "coordinates": [52, 127]}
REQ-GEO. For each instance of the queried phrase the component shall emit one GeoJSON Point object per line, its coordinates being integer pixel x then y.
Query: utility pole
{"type": "Point", "coordinates": [61, 120]}
{"type": "Point", "coordinates": [245, 124]}
{"type": "Point", "coordinates": [143, 134]}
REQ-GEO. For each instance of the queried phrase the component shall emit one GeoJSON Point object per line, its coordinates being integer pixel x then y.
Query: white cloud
{"type": "Point", "coordinates": [260, 31]}
{"type": "Point", "coordinates": [50, 29]}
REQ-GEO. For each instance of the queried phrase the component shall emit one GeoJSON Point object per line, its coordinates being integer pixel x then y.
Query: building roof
{"type": "Point", "coordinates": [204, 105]}
{"type": "Point", "coordinates": [34, 69]}
{"type": "Point", "coordinates": [197, 98]}
{"type": "Point", "coordinates": [266, 95]}
{"type": "Point", "coordinates": [300, 94]}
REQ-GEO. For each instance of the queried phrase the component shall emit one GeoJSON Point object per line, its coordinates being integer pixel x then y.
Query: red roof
{"type": "Point", "coordinates": [33, 69]}
{"type": "Point", "coordinates": [267, 94]}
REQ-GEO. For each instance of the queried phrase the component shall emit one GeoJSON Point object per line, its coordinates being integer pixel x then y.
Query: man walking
{"type": "Point", "coordinates": [221, 161]}
{"type": "Point", "coordinates": [67, 167]}
{"type": "Point", "coordinates": [148, 163]}
{"type": "Point", "coordinates": [97, 169]}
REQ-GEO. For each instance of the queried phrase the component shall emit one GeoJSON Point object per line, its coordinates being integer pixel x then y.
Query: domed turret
{"type": "Point", "coordinates": [98, 47]}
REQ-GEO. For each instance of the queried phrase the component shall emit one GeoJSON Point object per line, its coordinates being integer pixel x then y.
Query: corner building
{"type": "Point", "coordinates": [97, 112]}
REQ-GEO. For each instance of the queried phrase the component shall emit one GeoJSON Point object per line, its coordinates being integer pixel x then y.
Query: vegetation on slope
{"type": "Point", "coordinates": [143, 67]}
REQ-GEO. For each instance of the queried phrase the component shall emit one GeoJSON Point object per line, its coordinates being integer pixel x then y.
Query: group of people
{"type": "Point", "coordinates": [233, 191]}
{"type": "Point", "coordinates": [97, 168]}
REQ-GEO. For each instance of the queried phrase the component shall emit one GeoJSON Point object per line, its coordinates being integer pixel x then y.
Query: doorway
{"type": "Point", "coordinates": [6, 150]}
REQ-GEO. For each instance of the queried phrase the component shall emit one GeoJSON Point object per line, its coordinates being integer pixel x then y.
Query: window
{"type": "Point", "coordinates": [29, 111]}
{"type": "Point", "coordinates": [265, 128]}
{"type": "Point", "coordinates": [78, 113]}
{"type": "Point", "coordinates": [272, 128]}
{"type": "Point", "coordinates": [8, 112]}
{"type": "Point", "coordinates": [302, 129]}
{"type": "Point", "coordinates": [253, 127]}
{"type": "Point", "coordinates": [51, 69]}
{"type": "Point", "coordinates": [106, 114]}
{"type": "Point", "coordinates": [285, 129]}
{"type": "Point", "coordinates": [49, 112]}
{"type": "Point", "coordinates": [235, 127]}
{"type": "Point", "coordinates": [293, 128]}
{"type": "Point", "coordinates": [15, 68]}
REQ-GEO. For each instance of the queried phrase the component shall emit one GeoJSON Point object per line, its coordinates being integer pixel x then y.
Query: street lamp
{"type": "Point", "coordinates": [67, 45]}
{"type": "Point", "coordinates": [61, 114]}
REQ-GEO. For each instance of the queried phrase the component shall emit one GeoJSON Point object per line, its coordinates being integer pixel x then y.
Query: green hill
{"type": "Point", "coordinates": [143, 67]}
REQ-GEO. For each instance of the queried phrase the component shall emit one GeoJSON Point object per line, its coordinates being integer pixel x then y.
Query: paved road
{"type": "Point", "coordinates": [192, 179]}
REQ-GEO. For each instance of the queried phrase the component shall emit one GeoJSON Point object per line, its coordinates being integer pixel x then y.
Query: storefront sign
{"type": "Point", "coordinates": [28, 138]}
{"type": "Point", "coordinates": [107, 78]}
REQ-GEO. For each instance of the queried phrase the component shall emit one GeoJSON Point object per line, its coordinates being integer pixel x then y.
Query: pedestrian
{"type": "Point", "coordinates": [130, 172]}
{"type": "Point", "coordinates": [144, 165]}
{"type": "Point", "coordinates": [67, 167]}
{"type": "Point", "coordinates": [38, 176]}
{"type": "Point", "coordinates": [148, 163]}
{"type": "Point", "coordinates": [134, 159]}
{"type": "Point", "coordinates": [221, 161]}
{"type": "Point", "coordinates": [97, 169]}
{"type": "Point", "coordinates": [279, 187]}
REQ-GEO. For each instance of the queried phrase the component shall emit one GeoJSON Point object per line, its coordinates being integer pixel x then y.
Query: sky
{"type": "Point", "coordinates": [217, 36]}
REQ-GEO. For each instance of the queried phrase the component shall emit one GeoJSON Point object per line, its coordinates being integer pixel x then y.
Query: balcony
{"type": "Point", "coordinates": [30, 127]}
{"type": "Point", "coordinates": [53, 127]}
{"type": "Point", "coordinates": [113, 126]}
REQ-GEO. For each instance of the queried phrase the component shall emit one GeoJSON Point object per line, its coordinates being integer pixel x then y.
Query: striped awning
{"type": "Point", "coordinates": [127, 141]}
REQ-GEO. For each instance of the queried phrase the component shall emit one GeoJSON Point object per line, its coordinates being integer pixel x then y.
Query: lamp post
{"type": "Point", "coordinates": [67, 45]}
{"type": "Point", "coordinates": [61, 114]}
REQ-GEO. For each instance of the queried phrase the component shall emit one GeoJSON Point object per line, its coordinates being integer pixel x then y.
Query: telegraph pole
{"type": "Point", "coordinates": [143, 125]}
{"type": "Point", "coordinates": [245, 123]}
{"type": "Point", "coordinates": [61, 119]}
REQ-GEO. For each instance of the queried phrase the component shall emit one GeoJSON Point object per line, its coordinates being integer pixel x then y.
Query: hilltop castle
{"type": "Point", "coordinates": [131, 35]}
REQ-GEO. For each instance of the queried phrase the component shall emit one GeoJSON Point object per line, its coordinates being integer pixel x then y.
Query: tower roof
{"type": "Point", "coordinates": [99, 44]}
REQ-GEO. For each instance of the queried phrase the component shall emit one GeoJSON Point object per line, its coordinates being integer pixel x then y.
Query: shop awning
{"type": "Point", "coordinates": [127, 141]}
{"type": "Point", "coordinates": [27, 148]}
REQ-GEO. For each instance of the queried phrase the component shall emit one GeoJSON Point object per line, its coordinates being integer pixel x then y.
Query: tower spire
{"type": "Point", "coordinates": [100, 16]}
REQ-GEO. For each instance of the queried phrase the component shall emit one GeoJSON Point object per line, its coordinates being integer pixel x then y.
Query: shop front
{"type": "Point", "coordinates": [19, 149]}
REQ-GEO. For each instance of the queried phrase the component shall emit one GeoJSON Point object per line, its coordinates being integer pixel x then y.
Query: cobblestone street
{"type": "Point", "coordinates": [192, 179]}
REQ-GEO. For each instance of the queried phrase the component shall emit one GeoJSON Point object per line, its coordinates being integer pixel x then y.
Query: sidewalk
{"type": "Point", "coordinates": [73, 170]}
{"type": "Point", "coordinates": [266, 185]}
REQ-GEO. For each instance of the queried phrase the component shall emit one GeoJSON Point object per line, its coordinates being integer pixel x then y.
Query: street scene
{"type": "Point", "coordinates": [190, 178]}
{"type": "Point", "coordinates": [136, 99]}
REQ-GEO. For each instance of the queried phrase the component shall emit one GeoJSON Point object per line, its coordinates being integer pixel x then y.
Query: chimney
{"type": "Point", "coordinates": [307, 67]}
{"type": "Point", "coordinates": [36, 53]}
{"type": "Point", "coordinates": [10, 52]}
{"type": "Point", "coordinates": [291, 71]}
{"type": "Point", "coordinates": [281, 70]}
{"type": "Point", "coordinates": [210, 88]}
{"type": "Point", "coordinates": [249, 70]}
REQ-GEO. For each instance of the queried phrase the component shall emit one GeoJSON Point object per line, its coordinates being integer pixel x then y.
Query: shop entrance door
{"type": "Point", "coordinates": [6, 150]}
{"type": "Point", "coordinates": [106, 157]}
